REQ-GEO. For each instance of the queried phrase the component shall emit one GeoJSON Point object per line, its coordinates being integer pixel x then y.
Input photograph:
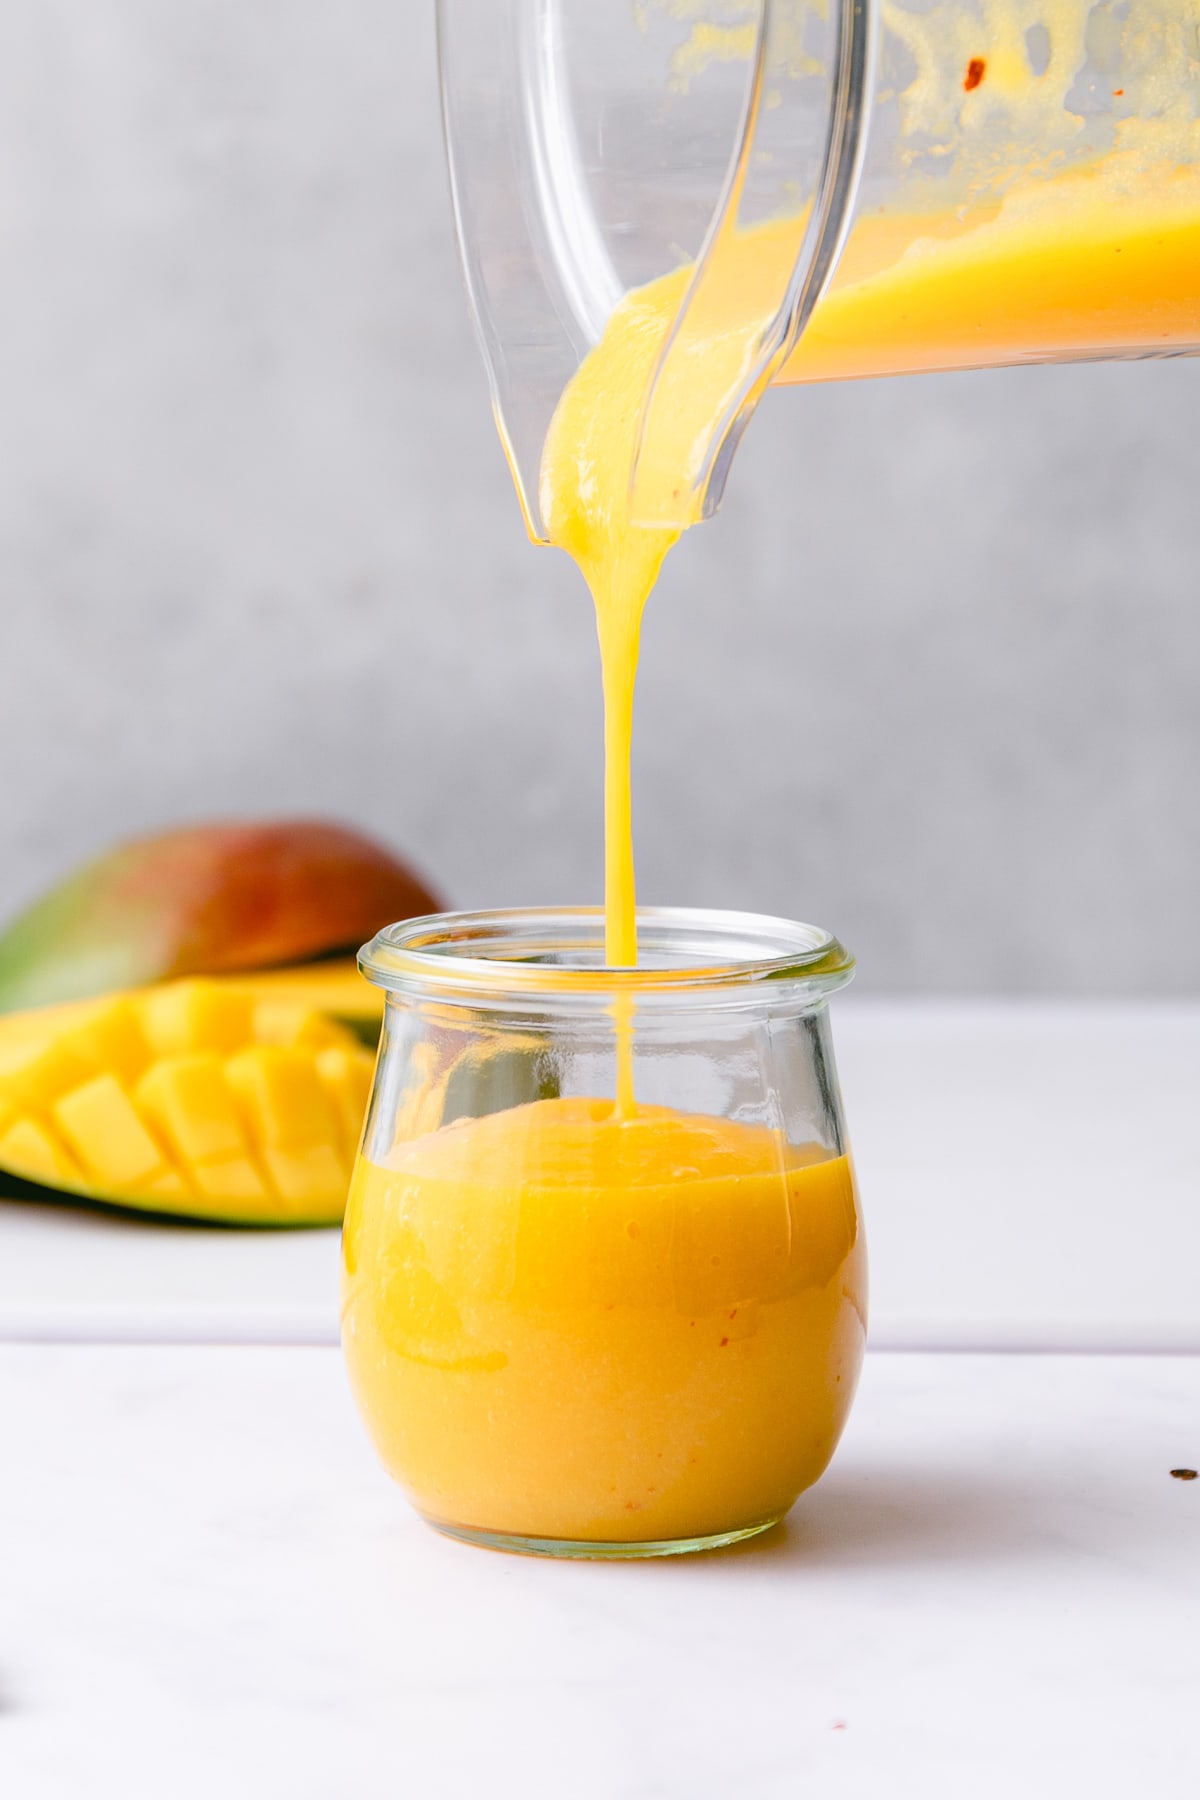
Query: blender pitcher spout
{"type": "Point", "coordinates": [596, 146]}
{"type": "Point", "coordinates": [761, 303]}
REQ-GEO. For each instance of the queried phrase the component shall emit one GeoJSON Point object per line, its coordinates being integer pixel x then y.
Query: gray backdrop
{"type": "Point", "coordinates": [933, 677]}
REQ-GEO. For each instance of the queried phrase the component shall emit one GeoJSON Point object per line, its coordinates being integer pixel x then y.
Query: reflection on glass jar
{"type": "Point", "coordinates": [589, 1327]}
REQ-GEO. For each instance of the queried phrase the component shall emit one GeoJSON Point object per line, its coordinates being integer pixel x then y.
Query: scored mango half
{"type": "Point", "coordinates": [235, 1101]}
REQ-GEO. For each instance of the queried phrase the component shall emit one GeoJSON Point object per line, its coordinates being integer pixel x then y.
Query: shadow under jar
{"type": "Point", "coordinates": [604, 1279]}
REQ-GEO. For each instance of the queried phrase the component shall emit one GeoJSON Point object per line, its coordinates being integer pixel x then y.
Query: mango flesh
{"type": "Point", "coordinates": [209, 1099]}
{"type": "Point", "coordinates": [334, 987]}
{"type": "Point", "coordinates": [206, 900]}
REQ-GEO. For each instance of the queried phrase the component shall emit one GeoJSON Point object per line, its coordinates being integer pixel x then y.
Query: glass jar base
{"type": "Point", "coordinates": [589, 1550]}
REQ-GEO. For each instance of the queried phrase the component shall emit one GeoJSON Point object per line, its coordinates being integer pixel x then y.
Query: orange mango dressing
{"type": "Point", "coordinates": [1074, 268]}
{"type": "Point", "coordinates": [589, 1320]}
{"type": "Point", "coordinates": [564, 1325]}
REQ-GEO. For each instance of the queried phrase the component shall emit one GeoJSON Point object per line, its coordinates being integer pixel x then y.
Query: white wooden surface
{"type": "Point", "coordinates": [207, 1586]}
{"type": "Point", "coordinates": [1030, 1177]}
{"type": "Point", "coordinates": [210, 1589]}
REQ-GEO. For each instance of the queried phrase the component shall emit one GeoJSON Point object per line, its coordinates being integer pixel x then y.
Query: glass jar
{"type": "Point", "coordinates": [604, 1279]}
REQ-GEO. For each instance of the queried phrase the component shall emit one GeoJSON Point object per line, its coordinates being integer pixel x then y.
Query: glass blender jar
{"type": "Point", "coordinates": [859, 187]}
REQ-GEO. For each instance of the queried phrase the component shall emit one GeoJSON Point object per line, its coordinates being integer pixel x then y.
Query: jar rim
{"type": "Point", "coordinates": [522, 953]}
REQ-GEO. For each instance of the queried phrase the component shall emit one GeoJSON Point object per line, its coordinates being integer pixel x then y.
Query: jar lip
{"type": "Point", "coordinates": [538, 952]}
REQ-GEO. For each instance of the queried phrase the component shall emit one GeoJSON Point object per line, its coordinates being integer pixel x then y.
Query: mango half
{"type": "Point", "coordinates": [205, 900]}
{"type": "Point", "coordinates": [233, 1101]}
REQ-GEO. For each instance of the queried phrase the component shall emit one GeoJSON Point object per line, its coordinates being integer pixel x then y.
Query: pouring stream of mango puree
{"type": "Point", "coordinates": [1104, 260]}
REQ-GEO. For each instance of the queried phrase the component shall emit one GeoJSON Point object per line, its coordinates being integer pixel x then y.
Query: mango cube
{"type": "Point", "coordinates": [34, 1151]}
{"type": "Point", "coordinates": [346, 1075]}
{"type": "Point", "coordinates": [102, 1127]}
{"type": "Point", "coordinates": [189, 1102]}
{"type": "Point", "coordinates": [38, 1074]}
{"type": "Point", "coordinates": [315, 1174]}
{"type": "Point", "coordinates": [298, 1027]}
{"type": "Point", "coordinates": [110, 1040]}
{"type": "Point", "coordinates": [187, 1016]}
{"type": "Point", "coordinates": [234, 1179]}
{"type": "Point", "coordinates": [281, 1098]}
{"type": "Point", "coordinates": [169, 1186]}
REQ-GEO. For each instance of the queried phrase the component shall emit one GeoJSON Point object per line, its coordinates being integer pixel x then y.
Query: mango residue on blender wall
{"type": "Point", "coordinates": [1043, 194]}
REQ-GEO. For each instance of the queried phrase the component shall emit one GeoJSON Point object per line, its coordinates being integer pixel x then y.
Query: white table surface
{"type": "Point", "coordinates": [207, 1586]}
{"type": "Point", "coordinates": [1030, 1180]}
{"type": "Point", "coordinates": [210, 1589]}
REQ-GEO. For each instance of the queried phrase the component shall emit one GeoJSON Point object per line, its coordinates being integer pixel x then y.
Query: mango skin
{"type": "Point", "coordinates": [209, 899]}
{"type": "Point", "coordinates": [232, 1100]}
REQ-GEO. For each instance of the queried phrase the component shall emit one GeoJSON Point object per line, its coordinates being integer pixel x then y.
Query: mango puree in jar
{"type": "Point", "coordinates": [564, 1325]}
